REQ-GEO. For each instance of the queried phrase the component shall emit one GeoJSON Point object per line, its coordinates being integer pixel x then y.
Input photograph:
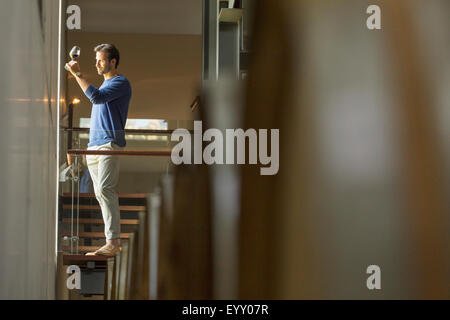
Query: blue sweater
{"type": "Point", "coordinates": [109, 111]}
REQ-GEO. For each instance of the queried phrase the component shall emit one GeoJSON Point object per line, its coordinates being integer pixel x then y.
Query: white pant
{"type": "Point", "coordinates": [104, 170]}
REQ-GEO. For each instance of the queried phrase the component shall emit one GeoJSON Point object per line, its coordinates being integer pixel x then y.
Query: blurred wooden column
{"type": "Point", "coordinates": [270, 204]}
{"type": "Point", "coordinates": [62, 292]}
{"type": "Point", "coordinates": [188, 273]}
{"type": "Point", "coordinates": [422, 154]}
{"type": "Point", "coordinates": [278, 257]}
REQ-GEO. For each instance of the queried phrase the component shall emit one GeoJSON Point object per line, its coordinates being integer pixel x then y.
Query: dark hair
{"type": "Point", "coordinates": [111, 50]}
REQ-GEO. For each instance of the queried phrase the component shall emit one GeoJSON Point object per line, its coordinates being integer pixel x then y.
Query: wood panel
{"type": "Point", "coordinates": [131, 262]}
{"type": "Point", "coordinates": [117, 265]}
{"type": "Point", "coordinates": [139, 284]}
{"type": "Point", "coordinates": [109, 279]}
{"type": "Point", "coordinates": [189, 269]}
{"type": "Point", "coordinates": [123, 271]}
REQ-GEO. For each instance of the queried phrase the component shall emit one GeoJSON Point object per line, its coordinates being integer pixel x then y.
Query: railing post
{"type": "Point", "coordinates": [70, 125]}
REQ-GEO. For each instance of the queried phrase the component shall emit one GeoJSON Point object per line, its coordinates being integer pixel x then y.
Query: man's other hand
{"type": "Point", "coordinates": [73, 67]}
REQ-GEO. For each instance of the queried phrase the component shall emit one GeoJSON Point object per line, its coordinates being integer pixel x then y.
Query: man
{"type": "Point", "coordinates": [108, 116]}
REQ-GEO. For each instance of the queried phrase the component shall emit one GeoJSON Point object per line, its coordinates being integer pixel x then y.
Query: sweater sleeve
{"type": "Point", "coordinates": [111, 92]}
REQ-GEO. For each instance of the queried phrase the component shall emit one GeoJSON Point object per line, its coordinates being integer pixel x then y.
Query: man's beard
{"type": "Point", "coordinates": [103, 71]}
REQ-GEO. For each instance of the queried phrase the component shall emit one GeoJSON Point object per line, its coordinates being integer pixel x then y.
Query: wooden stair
{"type": "Point", "coordinates": [97, 207]}
{"type": "Point", "coordinates": [100, 221]}
{"type": "Point", "coordinates": [83, 249]}
{"type": "Point", "coordinates": [80, 259]}
{"type": "Point", "coordinates": [98, 235]}
{"type": "Point", "coordinates": [121, 195]}
{"type": "Point", "coordinates": [120, 270]}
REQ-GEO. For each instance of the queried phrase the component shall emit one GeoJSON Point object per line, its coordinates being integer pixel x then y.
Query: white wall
{"type": "Point", "coordinates": [147, 16]}
{"type": "Point", "coordinates": [164, 72]}
{"type": "Point", "coordinates": [28, 126]}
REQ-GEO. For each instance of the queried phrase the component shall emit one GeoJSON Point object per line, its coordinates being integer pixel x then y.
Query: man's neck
{"type": "Point", "coordinates": [110, 74]}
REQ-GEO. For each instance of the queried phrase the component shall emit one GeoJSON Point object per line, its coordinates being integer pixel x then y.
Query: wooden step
{"type": "Point", "coordinates": [121, 195]}
{"type": "Point", "coordinates": [100, 221]}
{"type": "Point", "coordinates": [83, 249]}
{"type": "Point", "coordinates": [100, 235]}
{"type": "Point", "coordinates": [69, 259]}
{"type": "Point", "coordinates": [96, 207]}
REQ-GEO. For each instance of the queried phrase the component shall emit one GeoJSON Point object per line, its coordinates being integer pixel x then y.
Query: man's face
{"type": "Point", "coordinates": [102, 64]}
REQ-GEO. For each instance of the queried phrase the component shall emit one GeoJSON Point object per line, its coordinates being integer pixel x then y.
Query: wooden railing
{"type": "Point", "coordinates": [161, 153]}
{"type": "Point", "coordinates": [128, 131]}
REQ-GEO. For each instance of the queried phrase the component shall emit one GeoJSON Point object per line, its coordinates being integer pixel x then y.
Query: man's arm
{"type": "Point", "coordinates": [115, 89]}
{"type": "Point", "coordinates": [97, 96]}
{"type": "Point", "coordinates": [82, 82]}
{"type": "Point", "coordinates": [74, 67]}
